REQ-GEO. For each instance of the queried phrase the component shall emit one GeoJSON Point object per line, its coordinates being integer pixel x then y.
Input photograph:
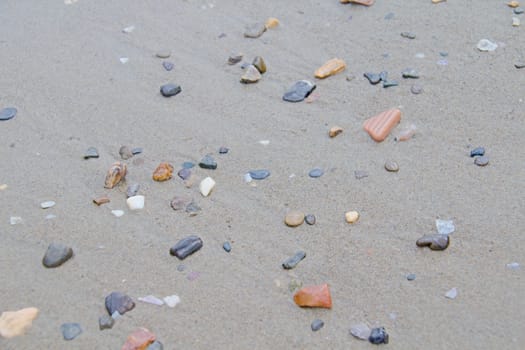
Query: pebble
{"type": "Point", "coordinates": [445, 227]}
{"type": "Point", "coordinates": [188, 165]}
{"type": "Point", "coordinates": [168, 65]}
{"type": "Point", "coordinates": [452, 294]}
{"type": "Point", "coordinates": [390, 83]}
{"type": "Point", "coordinates": [515, 22]}
{"type": "Point", "coordinates": [168, 90]}
{"type": "Point", "coordinates": [135, 202]}
{"type": "Point", "coordinates": [206, 186]}
{"type": "Point", "coordinates": [271, 23]}
{"type": "Point", "coordinates": [172, 300]}
{"type": "Point", "coordinates": [411, 276]}
{"type": "Point", "coordinates": [163, 54]}
{"type": "Point", "coordinates": [331, 67]}
{"type": "Point", "coordinates": [259, 174]}
{"type": "Point", "coordinates": [124, 60]}
{"type": "Point", "coordinates": [8, 113]}
{"type": "Point", "coordinates": [351, 216]}
{"type": "Point", "coordinates": [292, 261]}
{"type": "Point", "coordinates": [251, 75]}
{"type": "Point", "coordinates": [316, 172]}
{"type": "Point", "coordinates": [235, 58]}
{"type": "Point", "coordinates": [416, 89]}
{"type": "Point", "coordinates": [379, 126]}
{"type": "Point", "coordinates": [105, 322]}
{"type": "Point", "coordinates": [247, 178]}
{"type": "Point", "coordinates": [481, 161]}
{"type": "Point", "coordinates": [519, 64]}
{"type": "Point", "coordinates": [136, 150]}
{"type": "Point", "coordinates": [478, 151]}
{"type": "Point", "coordinates": [310, 219]}
{"type": "Point", "coordinates": [299, 91]}
{"type": "Point", "coordinates": [178, 203]}
{"type": "Point", "coordinates": [378, 336]}
{"type": "Point", "coordinates": [513, 3]}
{"type": "Point", "coordinates": [128, 30]}
{"type": "Point", "coordinates": [486, 45]}
{"type": "Point", "coordinates": [47, 204]}
{"type": "Point", "coordinates": [434, 241]}
{"type": "Point", "coordinates": [408, 35]}
{"type": "Point", "coordinates": [132, 189]}
{"type": "Point", "coordinates": [391, 166]}
{"type": "Point", "coordinates": [139, 340]}
{"type": "Point", "coordinates": [314, 296]}
{"type": "Point", "coordinates": [254, 30]}
{"type": "Point", "coordinates": [208, 162]}
{"type": "Point", "coordinates": [192, 208]}
{"type": "Point", "coordinates": [125, 152]}
{"type": "Point", "coordinates": [70, 330]}
{"type": "Point", "coordinates": [115, 174]}
{"type": "Point", "coordinates": [119, 302]}
{"type": "Point", "coordinates": [227, 247]}
{"type": "Point", "coordinates": [360, 174]}
{"type": "Point", "coordinates": [118, 213]}
{"type": "Point", "coordinates": [372, 78]}
{"type": "Point", "coordinates": [91, 152]}
{"type": "Point", "coordinates": [56, 255]}
{"type": "Point", "coordinates": [334, 131]}
{"type": "Point", "coordinates": [518, 10]}
{"type": "Point", "coordinates": [360, 2]}
{"type": "Point", "coordinates": [410, 73]}
{"type": "Point", "coordinates": [223, 150]}
{"type": "Point", "coordinates": [15, 220]}
{"type": "Point", "coordinates": [156, 345]}
{"type": "Point", "coordinates": [186, 246]}
{"type": "Point", "coordinates": [15, 323]}
{"type": "Point", "coordinates": [184, 173]}
{"type": "Point", "coordinates": [360, 331]}
{"type": "Point", "coordinates": [294, 218]}
{"type": "Point", "coordinates": [151, 299]}
{"type": "Point", "coordinates": [163, 172]}
{"type": "Point", "coordinates": [317, 324]}
{"type": "Point", "coordinates": [258, 62]}
{"type": "Point", "coordinates": [513, 266]}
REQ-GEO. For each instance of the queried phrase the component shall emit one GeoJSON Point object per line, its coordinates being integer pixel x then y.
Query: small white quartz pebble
{"type": "Point", "coordinates": [128, 29]}
{"type": "Point", "coordinates": [445, 227]}
{"type": "Point", "coordinates": [361, 331]}
{"type": "Point", "coordinates": [135, 202]}
{"type": "Point", "coordinates": [247, 177]}
{"type": "Point", "coordinates": [452, 294]}
{"type": "Point", "coordinates": [206, 186]}
{"type": "Point", "coordinates": [13, 220]}
{"type": "Point", "coordinates": [47, 204]}
{"type": "Point", "coordinates": [124, 60]}
{"type": "Point", "coordinates": [172, 300]}
{"type": "Point", "coordinates": [486, 45]}
{"type": "Point", "coordinates": [151, 299]}
{"type": "Point", "coordinates": [117, 213]}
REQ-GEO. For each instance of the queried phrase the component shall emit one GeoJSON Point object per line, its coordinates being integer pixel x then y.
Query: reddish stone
{"type": "Point", "coordinates": [379, 127]}
{"type": "Point", "coordinates": [139, 340]}
{"type": "Point", "coordinates": [314, 296]}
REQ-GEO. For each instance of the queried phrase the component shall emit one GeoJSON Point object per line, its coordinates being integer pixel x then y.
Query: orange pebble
{"type": "Point", "coordinates": [139, 340]}
{"type": "Point", "coordinates": [314, 296]}
{"type": "Point", "coordinates": [379, 127]}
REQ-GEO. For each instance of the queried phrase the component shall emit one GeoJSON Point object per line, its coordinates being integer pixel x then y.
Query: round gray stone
{"type": "Point", "coordinates": [56, 255]}
{"type": "Point", "coordinates": [70, 330]}
{"type": "Point", "coordinates": [481, 161]}
{"type": "Point", "coordinates": [317, 324]}
{"type": "Point", "coordinates": [316, 172]}
{"type": "Point", "coordinates": [260, 174]}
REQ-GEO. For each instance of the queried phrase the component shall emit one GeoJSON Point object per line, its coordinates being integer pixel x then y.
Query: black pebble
{"type": "Point", "coordinates": [478, 151]}
{"type": "Point", "coordinates": [169, 90]}
{"type": "Point", "coordinates": [299, 91]}
{"type": "Point", "coordinates": [378, 336]}
{"type": "Point", "coordinates": [208, 163]}
{"type": "Point", "coordinates": [186, 247]}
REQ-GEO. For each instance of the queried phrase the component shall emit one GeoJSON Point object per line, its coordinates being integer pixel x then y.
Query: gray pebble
{"type": "Point", "coordinates": [411, 276]}
{"type": "Point", "coordinates": [478, 151]}
{"type": "Point", "coordinates": [292, 261]}
{"type": "Point", "coordinates": [169, 90]}
{"type": "Point", "coordinates": [125, 152]}
{"type": "Point", "coordinates": [70, 330]}
{"type": "Point", "coordinates": [207, 162]}
{"type": "Point", "coordinates": [310, 219]}
{"type": "Point", "coordinates": [192, 208]}
{"type": "Point", "coordinates": [136, 150]}
{"type": "Point", "coordinates": [391, 166]}
{"type": "Point", "coordinates": [163, 54]}
{"type": "Point", "coordinates": [408, 35]}
{"type": "Point", "coordinates": [416, 89]}
{"type": "Point", "coordinates": [156, 345]}
{"type": "Point", "coordinates": [435, 241]}
{"type": "Point", "coordinates": [481, 161]}
{"type": "Point", "coordinates": [360, 174]}
{"type": "Point", "coordinates": [91, 152]}
{"type": "Point", "coordinates": [254, 30]}
{"type": "Point", "coordinates": [181, 268]}
{"type": "Point", "coordinates": [186, 246]}
{"type": "Point", "coordinates": [378, 336]}
{"type": "Point", "coordinates": [317, 172]}
{"type": "Point", "coordinates": [120, 302]}
{"type": "Point", "coordinates": [105, 322]}
{"type": "Point", "coordinates": [317, 324]}
{"type": "Point", "coordinates": [519, 64]}
{"type": "Point", "coordinates": [260, 174]}
{"type": "Point", "coordinates": [132, 189]}
{"type": "Point", "coordinates": [227, 247]}
{"type": "Point", "coordinates": [410, 73]}
{"type": "Point", "coordinates": [188, 165]}
{"type": "Point", "coordinates": [443, 53]}
{"type": "Point", "coordinates": [8, 113]}
{"type": "Point", "coordinates": [299, 91]}
{"type": "Point", "coordinates": [184, 173]}
{"type": "Point", "coordinates": [56, 255]}
{"type": "Point", "coordinates": [168, 65]}
{"type": "Point", "coordinates": [372, 78]}
{"type": "Point", "coordinates": [223, 150]}
{"type": "Point", "coordinates": [178, 203]}
{"type": "Point", "coordinates": [390, 83]}
{"type": "Point", "coordinates": [519, 10]}
{"type": "Point", "coordinates": [235, 58]}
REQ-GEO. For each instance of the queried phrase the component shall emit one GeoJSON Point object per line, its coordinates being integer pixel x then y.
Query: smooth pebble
{"type": "Point", "coordinates": [8, 113]}
{"type": "Point", "coordinates": [169, 90]}
{"type": "Point", "coordinates": [259, 174]}
{"type": "Point", "coordinates": [317, 324]}
{"type": "Point", "coordinates": [206, 186]}
{"type": "Point", "coordinates": [47, 204]}
{"type": "Point", "coordinates": [227, 247]}
{"type": "Point", "coordinates": [70, 330]}
{"type": "Point", "coordinates": [91, 152]}
{"type": "Point", "coordinates": [481, 161]}
{"type": "Point", "coordinates": [310, 219]}
{"type": "Point", "coordinates": [316, 172]}
{"type": "Point", "coordinates": [294, 218]}
{"type": "Point", "coordinates": [56, 255]}
{"type": "Point", "coordinates": [391, 166]}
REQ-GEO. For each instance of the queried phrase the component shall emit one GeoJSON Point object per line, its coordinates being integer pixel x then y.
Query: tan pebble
{"type": "Point", "coordinates": [351, 216]}
{"type": "Point", "coordinates": [513, 4]}
{"type": "Point", "coordinates": [334, 131]}
{"type": "Point", "coordinates": [331, 67]}
{"type": "Point", "coordinates": [3, 187]}
{"type": "Point", "coordinates": [251, 75]}
{"type": "Point", "coordinates": [294, 218]}
{"type": "Point", "coordinates": [101, 200]}
{"type": "Point", "coordinates": [271, 23]}
{"type": "Point", "coordinates": [391, 166]}
{"type": "Point", "coordinates": [115, 174]}
{"type": "Point", "coordinates": [15, 323]}
{"type": "Point", "coordinates": [163, 172]}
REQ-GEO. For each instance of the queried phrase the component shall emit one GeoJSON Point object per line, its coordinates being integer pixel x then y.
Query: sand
{"type": "Point", "coordinates": [60, 67]}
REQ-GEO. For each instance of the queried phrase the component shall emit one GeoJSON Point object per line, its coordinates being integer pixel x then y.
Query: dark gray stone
{"type": "Point", "coordinates": [310, 219]}
{"type": "Point", "coordinates": [70, 330]}
{"type": "Point", "coordinates": [435, 241]}
{"type": "Point", "coordinates": [184, 173]}
{"type": "Point", "coordinates": [481, 161]}
{"type": "Point", "coordinates": [132, 189]}
{"type": "Point", "coordinates": [120, 302]}
{"type": "Point", "coordinates": [478, 151]}
{"type": "Point", "coordinates": [136, 150]}
{"type": "Point", "coordinates": [378, 336]}
{"type": "Point", "coordinates": [168, 65]}
{"type": "Point", "coordinates": [292, 261]}
{"type": "Point", "coordinates": [186, 246]}
{"type": "Point", "coordinates": [519, 10]}
{"type": "Point", "coordinates": [169, 90]}
{"type": "Point", "coordinates": [260, 174]}
{"type": "Point", "coordinates": [208, 163]}
{"type": "Point", "coordinates": [299, 91]}
{"type": "Point", "coordinates": [56, 255]}
{"type": "Point", "coordinates": [317, 324]}
{"type": "Point", "coordinates": [372, 78]}
{"type": "Point", "coordinates": [411, 276]}
{"type": "Point", "coordinates": [91, 152]}
{"type": "Point", "coordinates": [224, 150]}
{"type": "Point", "coordinates": [8, 113]}
{"type": "Point", "coordinates": [408, 35]}
{"type": "Point", "coordinates": [156, 345]}
{"type": "Point", "coordinates": [105, 322]}
{"type": "Point", "coordinates": [317, 172]}
{"type": "Point", "coordinates": [390, 83]}
{"type": "Point", "coordinates": [227, 247]}
{"type": "Point", "coordinates": [410, 73]}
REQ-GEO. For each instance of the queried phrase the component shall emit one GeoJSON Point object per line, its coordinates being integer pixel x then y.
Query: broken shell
{"type": "Point", "coordinates": [115, 174]}
{"type": "Point", "coordinates": [334, 131]}
{"type": "Point", "coordinates": [314, 296]}
{"type": "Point", "coordinates": [163, 172]}
{"type": "Point", "coordinates": [331, 67]}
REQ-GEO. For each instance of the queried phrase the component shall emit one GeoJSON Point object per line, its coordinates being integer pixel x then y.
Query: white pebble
{"type": "Point", "coordinates": [50, 216]}
{"type": "Point", "coordinates": [515, 22]}
{"type": "Point", "coordinates": [513, 265]}
{"type": "Point", "coordinates": [206, 186]}
{"type": "Point", "coordinates": [172, 300]}
{"type": "Point", "coordinates": [135, 202]}
{"type": "Point", "coordinates": [264, 142]}
{"type": "Point", "coordinates": [128, 29]}
{"type": "Point", "coordinates": [47, 204]}
{"type": "Point", "coordinates": [361, 331]}
{"type": "Point", "coordinates": [486, 45]}
{"type": "Point", "coordinates": [247, 177]}
{"type": "Point", "coordinates": [445, 227]}
{"type": "Point", "coordinates": [151, 299]}
{"type": "Point", "coordinates": [13, 220]}
{"type": "Point", "coordinates": [117, 213]}
{"type": "Point", "coordinates": [351, 216]}
{"type": "Point", "coordinates": [124, 60]}
{"type": "Point", "coordinates": [452, 294]}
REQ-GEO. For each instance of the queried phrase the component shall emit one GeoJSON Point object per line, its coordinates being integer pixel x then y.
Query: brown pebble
{"type": "Point", "coordinates": [115, 174]}
{"type": "Point", "coordinates": [101, 200]}
{"type": "Point", "coordinates": [163, 172]}
{"type": "Point", "coordinates": [391, 166]}
{"type": "Point", "coordinates": [434, 241]}
{"type": "Point", "coordinates": [294, 218]}
{"type": "Point", "coordinates": [331, 67]}
{"type": "Point", "coordinates": [379, 126]}
{"type": "Point", "coordinates": [251, 75]}
{"type": "Point", "coordinates": [334, 131]}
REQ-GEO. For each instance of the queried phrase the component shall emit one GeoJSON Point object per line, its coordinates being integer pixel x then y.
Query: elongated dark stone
{"type": "Point", "coordinates": [120, 302]}
{"type": "Point", "coordinates": [186, 247]}
{"type": "Point", "coordinates": [478, 151]}
{"type": "Point", "coordinates": [434, 241]}
{"type": "Point", "coordinates": [372, 78]}
{"type": "Point", "coordinates": [299, 91]}
{"type": "Point", "coordinates": [378, 336]}
{"type": "Point", "coordinates": [292, 261]}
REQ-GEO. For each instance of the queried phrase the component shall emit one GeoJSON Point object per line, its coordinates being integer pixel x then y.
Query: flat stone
{"type": "Point", "coordinates": [125, 152]}
{"type": "Point", "coordinates": [434, 241]}
{"type": "Point", "coordinates": [163, 54]}
{"type": "Point", "coordinates": [372, 78]}
{"type": "Point", "coordinates": [390, 83]}
{"type": "Point", "coordinates": [169, 90]}
{"type": "Point", "coordinates": [184, 173]}
{"type": "Point", "coordinates": [518, 10]}
{"type": "Point", "coordinates": [47, 204]}
{"type": "Point", "coordinates": [105, 322]}
{"type": "Point", "coordinates": [378, 336]}
{"type": "Point", "coordinates": [330, 67]}
{"type": "Point", "coordinates": [223, 150]}
{"type": "Point", "coordinates": [310, 219]}
{"type": "Point", "coordinates": [294, 218]}
{"type": "Point", "coordinates": [334, 131]}
{"type": "Point", "coordinates": [139, 340]}
{"type": "Point", "coordinates": [515, 22]}
{"type": "Point", "coordinates": [91, 152]}
{"type": "Point", "coordinates": [70, 330]}
{"type": "Point", "coordinates": [478, 151]}
{"type": "Point", "coordinates": [156, 345]}
{"type": "Point", "coordinates": [408, 35]}
{"type": "Point", "coordinates": [519, 64]}
{"type": "Point", "coordinates": [207, 162]}
{"type": "Point", "coordinates": [513, 4]}
{"type": "Point", "coordinates": [56, 255]}
{"type": "Point", "coordinates": [227, 247]}
{"type": "Point", "coordinates": [411, 276]}
{"type": "Point", "coordinates": [259, 174]}
{"type": "Point", "coordinates": [179, 203]}
{"type": "Point", "coordinates": [379, 126]}
{"type": "Point", "coordinates": [186, 246]}
{"type": "Point", "coordinates": [8, 113]}
{"type": "Point", "coordinates": [15, 323]}
{"type": "Point", "coordinates": [163, 172]}
{"type": "Point", "coordinates": [416, 89]}
{"type": "Point", "coordinates": [481, 161]}
{"type": "Point", "coordinates": [254, 30]}
{"type": "Point", "coordinates": [258, 62]}
{"type": "Point", "coordinates": [486, 45]}
{"type": "Point", "coordinates": [132, 189]}
{"type": "Point", "coordinates": [151, 299]}
{"type": "Point", "coordinates": [316, 172]}
{"type": "Point", "coordinates": [314, 296]}
{"type": "Point", "coordinates": [410, 73]}
{"type": "Point", "coordinates": [360, 331]}
{"type": "Point", "coordinates": [317, 324]}
{"type": "Point", "coordinates": [292, 261]}
{"type": "Point", "coordinates": [172, 300]}
{"type": "Point", "coordinates": [119, 302]}
{"type": "Point", "coordinates": [235, 58]}
{"type": "Point", "coordinates": [168, 65]}
{"type": "Point", "coordinates": [251, 75]}
{"type": "Point", "coordinates": [136, 150]}
{"type": "Point", "coordinates": [360, 174]}
{"type": "Point", "coordinates": [115, 174]}
{"type": "Point", "coordinates": [391, 166]}
{"type": "Point", "coordinates": [299, 91]}
{"type": "Point", "coordinates": [192, 208]}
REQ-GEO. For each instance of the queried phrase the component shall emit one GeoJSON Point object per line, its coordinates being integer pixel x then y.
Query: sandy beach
{"type": "Point", "coordinates": [61, 68]}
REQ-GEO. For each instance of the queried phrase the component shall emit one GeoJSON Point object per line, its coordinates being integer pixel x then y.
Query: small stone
{"type": "Point", "coordinates": [227, 247]}
{"type": "Point", "coordinates": [223, 150]}
{"type": "Point", "coordinates": [206, 186]}
{"type": "Point", "coordinates": [331, 67]}
{"type": "Point", "coordinates": [360, 331]}
{"type": "Point", "coordinates": [434, 241]}
{"type": "Point", "coordinates": [139, 340]}
{"type": "Point", "coordinates": [56, 255]}
{"type": "Point", "coordinates": [168, 90]}
{"type": "Point", "coordinates": [316, 172]}
{"type": "Point", "coordinates": [254, 30]}
{"type": "Point", "coordinates": [410, 73]}
{"type": "Point", "coordinates": [15, 323]}
{"type": "Point", "coordinates": [151, 299]}
{"type": "Point", "coordinates": [411, 276]}
{"type": "Point", "coordinates": [519, 64]}
{"type": "Point", "coordinates": [235, 58]}
{"type": "Point", "coordinates": [292, 261]}
{"type": "Point", "coordinates": [15, 220]}
{"type": "Point", "coordinates": [188, 165]}
{"type": "Point", "coordinates": [192, 208]}
{"type": "Point", "coordinates": [156, 345]}
{"type": "Point", "coordinates": [105, 322]}
{"type": "Point", "coordinates": [271, 23]}
{"type": "Point", "coordinates": [70, 330]}
{"type": "Point", "coordinates": [481, 161]}
{"type": "Point", "coordinates": [172, 300]}
{"type": "Point", "coordinates": [372, 78]}
{"type": "Point", "coordinates": [136, 150]}
{"type": "Point", "coordinates": [360, 2]}
{"type": "Point", "coordinates": [438, 1]}
{"type": "Point", "coordinates": [115, 174]}
{"type": "Point", "coordinates": [208, 163]}
{"type": "Point", "coordinates": [294, 218]}
{"type": "Point", "coordinates": [379, 126]}
{"type": "Point", "coordinates": [124, 60]}
{"type": "Point", "coordinates": [91, 152]}
{"type": "Point", "coordinates": [391, 166]}
{"type": "Point", "coordinates": [351, 216]}
{"type": "Point", "coordinates": [513, 266]}
{"type": "Point", "coordinates": [416, 89]}
{"type": "Point", "coordinates": [334, 131]}
{"type": "Point", "coordinates": [451, 294]}
{"type": "Point", "coordinates": [408, 35]}
{"type": "Point", "coordinates": [135, 202]}
{"type": "Point", "coordinates": [445, 227]}
{"type": "Point", "coordinates": [518, 10]}
{"type": "Point", "coordinates": [258, 62]}
{"type": "Point", "coordinates": [8, 113]}
{"type": "Point", "coordinates": [259, 174]}
{"type": "Point", "coordinates": [47, 204]}
{"type": "Point", "coordinates": [317, 324]}
{"type": "Point", "coordinates": [251, 75]}
{"type": "Point", "coordinates": [314, 296]}
{"type": "Point", "coordinates": [132, 189]}
{"type": "Point", "coordinates": [486, 45]}
{"type": "Point", "coordinates": [378, 336]}
{"type": "Point", "coordinates": [119, 302]}
{"type": "Point", "coordinates": [101, 200]}
{"type": "Point", "coordinates": [118, 213]}
{"type": "Point", "coordinates": [383, 76]}
{"type": "Point", "coordinates": [168, 65]}
{"type": "Point", "coordinates": [186, 246]}
{"type": "Point", "coordinates": [310, 219]}
{"type": "Point", "coordinates": [513, 4]}
{"type": "Point", "coordinates": [163, 172]}
{"type": "Point", "coordinates": [360, 174]}
{"type": "Point", "coordinates": [125, 152]}
{"type": "Point", "coordinates": [184, 173]}
{"type": "Point", "coordinates": [163, 54]}
{"type": "Point", "coordinates": [128, 30]}
{"type": "Point", "coordinates": [299, 91]}
{"type": "Point", "coordinates": [515, 22]}
{"type": "Point", "coordinates": [178, 203]}
{"type": "Point", "coordinates": [390, 83]}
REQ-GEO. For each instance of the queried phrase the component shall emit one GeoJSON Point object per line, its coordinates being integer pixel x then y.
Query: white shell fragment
{"type": "Point", "coordinates": [47, 204]}
{"type": "Point", "coordinates": [445, 227]}
{"type": "Point", "coordinates": [124, 60]}
{"type": "Point", "coordinates": [117, 213]}
{"type": "Point", "coordinates": [172, 300]}
{"type": "Point", "coordinates": [206, 186]}
{"type": "Point", "coordinates": [452, 294]}
{"type": "Point", "coordinates": [151, 299]}
{"type": "Point", "coordinates": [515, 22]}
{"type": "Point", "coordinates": [135, 202]}
{"type": "Point", "coordinates": [486, 45]}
